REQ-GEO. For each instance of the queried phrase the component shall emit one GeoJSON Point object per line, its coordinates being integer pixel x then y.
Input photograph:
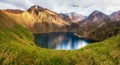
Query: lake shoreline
{"type": "Point", "coordinates": [52, 32]}
{"type": "Point", "coordinates": [61, 41]}
{"type": "Point", "coordinates": [71, 32]}
{"type": "Point", "coordinates": [84, 37]}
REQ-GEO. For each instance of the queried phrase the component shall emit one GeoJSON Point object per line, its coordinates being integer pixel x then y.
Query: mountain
{"type": "Point", "coordinates": [72, 17]}
{"type": "Point", "coordinates": [100, 33]}
{"type": "Point", "coordinates": [17, 47]}
{"type": "Point", "coordinates": [98, 26]}
{"type": "Point", "coordinates": [40, 20]}
{"type": "Point", "coordinates": [115, 16]}
{"type": "Point", "coordinates": [95, 17]}
{"type": "Point", "coordinates": [44, 20]}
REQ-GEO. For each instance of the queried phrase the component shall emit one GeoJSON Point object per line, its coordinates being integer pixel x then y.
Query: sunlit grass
{"type": "Point", "coordinates": [15, 51]}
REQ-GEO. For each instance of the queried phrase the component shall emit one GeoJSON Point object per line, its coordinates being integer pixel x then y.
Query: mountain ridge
{"type": "Point", "coordinates": [40, 20]}
{"type": "Point", "coordinates": [98, 26]}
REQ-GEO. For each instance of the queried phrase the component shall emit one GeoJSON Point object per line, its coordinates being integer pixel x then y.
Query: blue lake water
{"type": "Point", "coordinates": [60, 41]}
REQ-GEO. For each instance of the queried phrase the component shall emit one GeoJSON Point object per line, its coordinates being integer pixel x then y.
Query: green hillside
{"type": "Point", "coordinates": [10, 31]}
{"type": "Point", "coordinates": [17, 48]}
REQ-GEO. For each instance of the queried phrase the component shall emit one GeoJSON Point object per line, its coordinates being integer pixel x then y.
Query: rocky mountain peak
{"type": "Point", "coordinates": [97, 14]}
{"type": "Point", "coordinates": [36, 9]}
{"type": "Point", "coordinates": [96, 17]}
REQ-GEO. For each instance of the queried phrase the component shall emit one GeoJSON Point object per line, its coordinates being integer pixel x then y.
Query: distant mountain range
{"type": "Point", "coordinates": [95, 17]}
{"type": "Point", "coordinates": [97, 25]}
{"type": "Point", "coordinates": [72, 17]}
{"type": "Point", "coordinates": [66, 18]}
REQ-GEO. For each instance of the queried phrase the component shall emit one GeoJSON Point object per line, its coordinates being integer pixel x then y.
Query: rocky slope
{"type": "Point", "coordinates": [40, 20]}
{"type": "Point", "coordinates": [95, 17]}
{"type": "Point", "coordinates": [98, 26]}
{"type": "Point", "coordinates": [43, 20]}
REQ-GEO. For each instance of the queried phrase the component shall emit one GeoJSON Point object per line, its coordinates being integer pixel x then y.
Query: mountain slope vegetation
{"type": "Point", "coordinates": [17, 48]}
{"type": "Point", "coordinates": [10, 30]}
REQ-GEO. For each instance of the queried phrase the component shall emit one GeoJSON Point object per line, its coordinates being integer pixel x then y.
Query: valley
{"type": "Point", "coordinates": [17, 41]}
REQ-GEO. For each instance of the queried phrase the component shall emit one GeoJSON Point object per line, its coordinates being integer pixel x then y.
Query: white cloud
{"type": "Point", "coordinates": [8, 6]}
{"type": "Point", "coordinates": [24, 4]}
{"type": "Point", "coordinates": [85, 6]}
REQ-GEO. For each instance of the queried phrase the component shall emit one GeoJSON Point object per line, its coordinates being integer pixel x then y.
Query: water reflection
{"type": "Point", "coordinates": [60, 41]}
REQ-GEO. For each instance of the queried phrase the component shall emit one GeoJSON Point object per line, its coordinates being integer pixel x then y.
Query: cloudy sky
{"type": "Point", "coordinates": [84, 7]}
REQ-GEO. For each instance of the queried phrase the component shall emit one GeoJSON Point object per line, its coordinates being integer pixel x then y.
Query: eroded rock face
{"type": "Point", "coordinates": [40, 20]}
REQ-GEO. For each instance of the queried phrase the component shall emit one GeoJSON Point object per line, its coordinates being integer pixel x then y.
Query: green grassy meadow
{"type": "Point", "coordinates": [17, 48]}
